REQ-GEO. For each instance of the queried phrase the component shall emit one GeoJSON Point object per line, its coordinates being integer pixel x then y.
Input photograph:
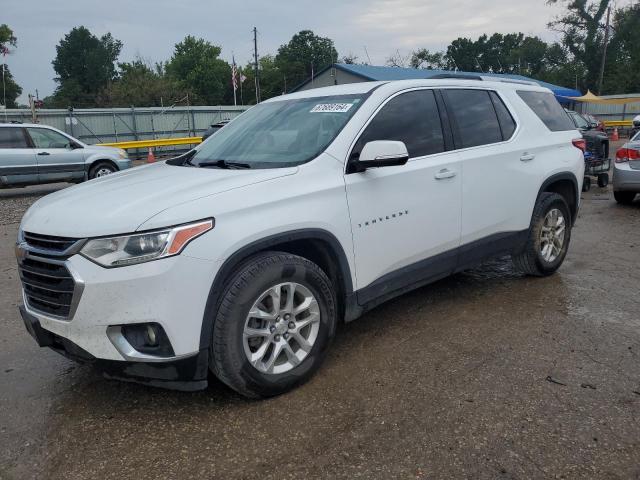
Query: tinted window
{"type": "Point", "coordinates": [476, 118]}
{"type": "Point", "coordinates": [547, 108]}
{"type": "Point", "coordinates": [12, 138]}
{"type": "Point", "coordinates": [44, 138]}
{"type": "Point", "coordinates": [411, 118]}
{"type": "Point", "coordinates": [507, 123]}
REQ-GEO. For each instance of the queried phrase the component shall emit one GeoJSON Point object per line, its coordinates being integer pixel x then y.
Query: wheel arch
{"type": "Point", "coordinates": [316, 245]}
{"type": "Point", "coordinates": [565, 184]}
{"type": "Point", "coordinates": [93, 162]}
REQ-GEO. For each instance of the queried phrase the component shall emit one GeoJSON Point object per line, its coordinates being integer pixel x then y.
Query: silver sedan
{"type": "Point", "coordinates": [626, 171]}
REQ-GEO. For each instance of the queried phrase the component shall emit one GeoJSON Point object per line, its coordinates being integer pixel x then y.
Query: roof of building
{"type": "Point", "coordinates": [378, 73]}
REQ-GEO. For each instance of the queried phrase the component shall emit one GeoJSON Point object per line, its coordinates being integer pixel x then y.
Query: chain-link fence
{"type": "Point", "coordinates": [105, 125]}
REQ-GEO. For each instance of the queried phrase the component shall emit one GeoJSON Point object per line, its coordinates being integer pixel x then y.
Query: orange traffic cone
{"type": "Point", "coordinates": [151, 158]}
{"type": "Point", "coordinates": [614, 136]}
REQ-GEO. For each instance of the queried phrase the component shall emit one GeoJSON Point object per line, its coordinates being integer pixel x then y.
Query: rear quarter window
{"type": "Point", "coordinates": [547, 108]}
{"type": "Point", "coordinates": [507, 123]}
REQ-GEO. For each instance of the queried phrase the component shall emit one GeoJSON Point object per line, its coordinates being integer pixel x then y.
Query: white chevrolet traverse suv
{"type": "Point", "coordinates": [240, 257]}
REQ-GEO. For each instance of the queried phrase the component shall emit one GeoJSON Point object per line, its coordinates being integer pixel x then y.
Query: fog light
{"type": "Point", "coordinates": [152, 340]}
{"type": "Point", "coordinates": [149, 338]}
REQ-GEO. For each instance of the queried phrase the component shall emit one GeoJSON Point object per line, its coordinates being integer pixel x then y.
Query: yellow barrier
{"type": "Point", "coordinates": [618, 123]}
{"type": "Point", "coordinates": [162, 142]}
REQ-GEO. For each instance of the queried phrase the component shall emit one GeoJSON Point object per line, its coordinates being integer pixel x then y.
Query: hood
{"type": "Point", "coordinates": [101, 148]}
{"type": "Point", "coordinates": [121, 202]}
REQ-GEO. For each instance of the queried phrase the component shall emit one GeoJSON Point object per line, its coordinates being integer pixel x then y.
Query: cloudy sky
{"type": "Point", "coordinates": [150, 28]}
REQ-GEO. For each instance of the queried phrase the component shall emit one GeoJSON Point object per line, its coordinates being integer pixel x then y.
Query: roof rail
{"type": "Point", "coordinates": [459, 76]}
{"type": "Point", "coordinates": [490, 78]}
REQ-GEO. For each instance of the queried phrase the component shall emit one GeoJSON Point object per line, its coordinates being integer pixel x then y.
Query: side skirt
{"type": "Point", "coordinates": [432, 269]}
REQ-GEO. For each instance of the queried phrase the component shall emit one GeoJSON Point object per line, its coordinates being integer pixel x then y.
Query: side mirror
{"type": "Point", "coordinates": [381, 153]}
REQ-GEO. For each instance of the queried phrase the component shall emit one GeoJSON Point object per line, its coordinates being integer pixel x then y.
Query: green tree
{"type": "Point", "coordinates": [196, 66]}
{"type": "Point", "coordinates": [85, 65]}
{"type": "Point", "coordinates": [350, 59]}
{"type": "Point", "coordinates": [498, 53]}
{"type": "Point", "coordinates": [11, 89]}
{"type": "Point", "coordinates": [272, 81]}
{"type": "Point", "coordinates": [141, 84]}
{"type": "Point", "coordinates": [305, 53]}
{"type": "Point", "coordinates": [623, 53]}
{"type": "Point", "coordinates": [424, 58]}
{"type": "Point", "coordinates": [583, 35]}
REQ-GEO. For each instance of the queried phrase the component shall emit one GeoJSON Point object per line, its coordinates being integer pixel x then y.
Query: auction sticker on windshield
{"type": "Point", "coordinates": [331, 107]}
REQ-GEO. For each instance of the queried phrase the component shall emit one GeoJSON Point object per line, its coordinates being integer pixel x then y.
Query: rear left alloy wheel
{"type": "Point", "coordinates": [275, 321]}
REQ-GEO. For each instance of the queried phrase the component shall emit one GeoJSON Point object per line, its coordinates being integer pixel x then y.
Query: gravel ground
{"type": "Point", "coordinates": [14, 202]}
{"type": "Point", "coordinates": [487, 374]}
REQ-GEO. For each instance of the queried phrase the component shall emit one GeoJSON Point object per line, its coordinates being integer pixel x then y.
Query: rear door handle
{"type": "Point", "coordinates": [444, 173]}
{"type": "Point", "coordinates": [527, 157]}
{"type": "Point", "coordinates": [44, 153]}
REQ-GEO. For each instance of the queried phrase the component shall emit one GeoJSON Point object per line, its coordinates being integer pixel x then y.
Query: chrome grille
{"type": "Point", "coordinates": [48, 242]}
{"type": "Point", "coordinates": [48, 285]}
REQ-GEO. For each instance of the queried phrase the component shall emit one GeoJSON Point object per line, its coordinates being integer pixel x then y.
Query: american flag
{"type": "Point", "coordinates": [234, 75]}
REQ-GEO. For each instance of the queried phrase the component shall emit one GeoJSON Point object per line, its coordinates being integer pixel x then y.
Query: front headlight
{"type": "Point", "coordinates": [143, 247]}
{"type": "Point", "coordinates": [123, 154]}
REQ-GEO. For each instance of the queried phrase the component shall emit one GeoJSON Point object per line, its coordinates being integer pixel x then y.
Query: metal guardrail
{"type": "Point", "coordinates": [161, 142]}
{"type": "Point", "coordinates": [618, 123]}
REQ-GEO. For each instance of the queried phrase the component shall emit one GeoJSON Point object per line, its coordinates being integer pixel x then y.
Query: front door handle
{"type": "Point", "coordinates": [527, 157]}
{"type": "Point", "coordinates": [444, 173]}
{"type": "Point", "coordinates": [44, 153]}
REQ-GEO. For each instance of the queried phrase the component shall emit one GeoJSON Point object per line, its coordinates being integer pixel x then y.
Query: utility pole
{"type": "Point", "coordinates": [255, 63]}
{"type": "Point", "coordinates": [604, 52]}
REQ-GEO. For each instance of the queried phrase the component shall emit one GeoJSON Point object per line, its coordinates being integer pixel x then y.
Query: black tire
{"type": "Point", "coordinates": [603, 180]}
{"type": "Point", "coordinates": [101, 166]}
{"type": "Point", "coordinates": [530, 260]}
{"type": "Point", "coordinates": [586, 184]}
{"type": "Point", "coordinates": [624, 198]}
{"type": "Point", "coordinates": [256, 275]}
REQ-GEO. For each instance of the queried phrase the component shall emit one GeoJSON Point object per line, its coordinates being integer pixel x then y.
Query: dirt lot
{"type": "Point", "coordinates": [487, 374]}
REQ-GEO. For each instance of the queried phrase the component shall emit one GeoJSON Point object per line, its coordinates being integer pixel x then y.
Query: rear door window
{"type": "Point", "coordinates": [547, 108]}
{"type": "Point", "coordinates": [475, 117]}
{"type": "Point", "coordinates": [12, 137]}
{"type": "Point", "coordinates": [412, 118]}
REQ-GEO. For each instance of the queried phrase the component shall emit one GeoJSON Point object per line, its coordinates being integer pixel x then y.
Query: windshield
{"type": "Point", "coordinates": [278, 134]}
{"type": "Point", "coordinates": [579, 121]}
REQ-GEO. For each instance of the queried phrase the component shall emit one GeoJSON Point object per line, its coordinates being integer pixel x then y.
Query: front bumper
{"type": "Point", "coordinates": [171, 292]}
{"type": "Point", "coordinates": [187, 374]}
{"type": "Point", "coordinates": [124, 163]}
{"type": "Point", "coordinates": [625, 178]}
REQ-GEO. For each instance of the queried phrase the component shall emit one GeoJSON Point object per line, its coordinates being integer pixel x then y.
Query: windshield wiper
{"type": "Point", "coordinates": [224, 164]}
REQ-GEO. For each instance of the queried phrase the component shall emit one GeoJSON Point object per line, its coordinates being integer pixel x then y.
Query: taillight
{"type": "Point", "coordinates": [626, 154]}
{"type": "Point", "coordinates": [580, 143]}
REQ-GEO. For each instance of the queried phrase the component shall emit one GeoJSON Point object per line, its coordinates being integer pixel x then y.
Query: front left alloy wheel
{"type": "Point", "coordinates": [274, 323]}
{"type": "Point", "coordinates": [101, 169]}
